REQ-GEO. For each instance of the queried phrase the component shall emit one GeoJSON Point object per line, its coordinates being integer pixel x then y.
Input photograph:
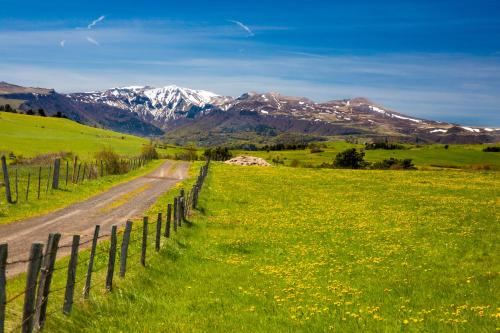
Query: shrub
{"type": "Point", "coordinates": [294, 163]}
{"type": "Point", "coordinates": [383, 145]}
{"type": "Point", "coordinates": [315, 148]}
{"type": "Point", "coordinates": [278, 160]}
{"type": "Point", "coordinates": [218, 154]}
{"type": "Point", "coordinates": [350, 159]}
{"type": "Point", "coordinates": [190, 154]}
{"type": "Point", "coordinates": [394, 164]}
{"type": "Point", "coordinates": [41, 112]}
{"type": "Point", "coordinates": [149, 152]}
{"type": "Point", "coordinates": [113, 164]}
{"type": "Point", "coordinates": [492, 149]}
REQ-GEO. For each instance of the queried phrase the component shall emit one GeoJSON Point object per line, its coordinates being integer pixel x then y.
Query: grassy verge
{"type": "Point", "coordinates": [60, 198]}
{"type": "Point", "coordinates": [274, 249]}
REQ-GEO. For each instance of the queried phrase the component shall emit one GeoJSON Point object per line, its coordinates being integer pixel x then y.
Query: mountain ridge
{"type": "Point", "coordinates": [172, 108]}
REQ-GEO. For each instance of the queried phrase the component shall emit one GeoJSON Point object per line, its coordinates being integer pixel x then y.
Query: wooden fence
{"type": "Point", "coordinates": [25, 183]}
{"type": "Point", "coordinates": [42, 259]}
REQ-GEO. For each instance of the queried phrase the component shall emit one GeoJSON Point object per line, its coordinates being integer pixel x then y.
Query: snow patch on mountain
{"type": "Point", "coordinates": [156, 104]}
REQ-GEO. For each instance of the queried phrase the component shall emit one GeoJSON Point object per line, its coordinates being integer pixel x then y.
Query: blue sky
{"type": "Point", "coordinates": [432, 59]}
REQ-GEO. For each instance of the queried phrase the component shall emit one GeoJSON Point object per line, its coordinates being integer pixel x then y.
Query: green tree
{"type": "Point", "coordinates": [350, 159]}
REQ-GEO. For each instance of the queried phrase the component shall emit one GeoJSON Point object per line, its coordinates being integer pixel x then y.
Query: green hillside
{"type": "Point", "coordinates": [32, 135]}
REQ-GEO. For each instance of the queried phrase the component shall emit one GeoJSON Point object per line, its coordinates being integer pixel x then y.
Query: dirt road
{"type": "Point", "coordinates": [114, 207]}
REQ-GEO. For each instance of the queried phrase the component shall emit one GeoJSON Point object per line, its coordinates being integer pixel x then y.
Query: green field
{"type": "Point", "coordinates": [33, 135]}
{"type": "Point", "coordinates": [281, 250]}
{"type": "Point", "coordinates": [426, 156]}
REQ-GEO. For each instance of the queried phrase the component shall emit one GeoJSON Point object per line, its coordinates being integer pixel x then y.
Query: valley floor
{"type": "Point", "coordinates": [283, 249]}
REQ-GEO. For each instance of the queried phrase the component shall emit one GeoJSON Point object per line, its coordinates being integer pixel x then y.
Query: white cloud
{"type": "Point", "coordinates": [62, 43]}
{"type": "Point", "coordinates": [244, 27]}
{"type": "Point", "coordinates": [94, 22]}
{"type": "Point", "coordinates": [92, 40]}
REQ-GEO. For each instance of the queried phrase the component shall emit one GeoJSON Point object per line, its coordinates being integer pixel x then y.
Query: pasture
{"type": "Point", "coordinates": [285, 249]}
{"type": "Point", "coordinates": [434, 156]}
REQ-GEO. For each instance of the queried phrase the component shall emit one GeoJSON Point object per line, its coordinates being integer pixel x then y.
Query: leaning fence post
{"type": "Point", "coordinates": [70, 282]}
{"type": "Point", "coordinates": [55, 176]}
{"type": "Point", "coordinates": [158, 232]}
{"type": "Point", "coordinates": [3, 282]}
{"type": "Point", "coordinates": [111, 261]}
{"type": "Point", "coordinates": [167, 223]}
{"type": "Point", "coordinates": [88, 278]}
{"type": "Point", "coordinates": [144, 240]}
{"type": "Point", "coordinates": [45, 279]}
{"type": "Point", "coordinates": [124, 251]}
{"type": "Point", "coordinates": [30, 294]}
{"type": "Point", "coordinates": [6, 181]}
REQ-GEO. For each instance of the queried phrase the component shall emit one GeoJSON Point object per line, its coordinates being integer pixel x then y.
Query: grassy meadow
{"type": "Point", "coordinates": [283, 250]}
{"type": "Point", "coordinates": [32, 135]}
{"type": "Point", "coordinates": [426, 156]}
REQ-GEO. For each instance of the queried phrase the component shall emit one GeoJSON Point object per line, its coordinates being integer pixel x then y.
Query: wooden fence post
{"type": "Point", "coordinates": [167, 222]}
{"type": "Point", "coordinates": [46, 279]}
{"type": "Point", "coordinates": [88, 278]}
{"type": "Point", "coordinates": [17, 187]}
{"type": "Point", "coordinates": [144, 240]}
{"type": "Point", "coordinates": [48, 180]}
{"type": "Point", "coordinates": [3, 283]}
{"type": "Point", "coordinates": [175, 214]}
{"type": "Point", "coordinates": [84, 170]}
{"type": "Point", "coordinates": [67, 173]}
{"type": "Point", "coordinates": [158, 232]}
{"type": "Point", "coordinates": [39, 181]}
{"type": "Point", "coordinates": [111, 261]}
{"type": "Point", "coordinates": [30, 294]}
{"type": "Point", "coordinates": [57, 170]}
{"type": "Point", "coordinates": [78, 173]}
{"type": "Point", "coordinates": [124, 251]}
{"type": "Point", "coordinates": [75, 162]}
{"type": "Point", "coordinates": [70, 282]}
{"type": "Point", "coordinates": [6, 180]}
{"type": "Point", "coordinates": [28, 186]}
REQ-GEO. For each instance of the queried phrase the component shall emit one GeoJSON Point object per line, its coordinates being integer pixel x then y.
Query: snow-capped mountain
{"type": "Point", "coordinates": [158, 105]}
{"type": "Point", "coordinates": [199, 115]}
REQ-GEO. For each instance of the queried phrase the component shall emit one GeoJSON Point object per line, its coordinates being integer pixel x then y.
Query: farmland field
{"type": "Point", "coordinates": [283, 249]}
{"type": "Point", "coordinates": [425, 156]}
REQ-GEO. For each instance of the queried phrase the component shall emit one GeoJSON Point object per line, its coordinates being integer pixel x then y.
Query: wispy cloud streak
{"type": "Point", "coordinates": [244, 27]}
{"type": "Point", "coordinates": [62, 43]}
{"type": "Point", "coordinates": [94, 22]}
{"type": "Point", "coordinates": [92, 40]}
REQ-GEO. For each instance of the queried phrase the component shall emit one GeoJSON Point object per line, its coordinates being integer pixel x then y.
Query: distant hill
{"type": "Point", "coordinates": [188, 115]}
{"type": "Point", "coordinates": [32, 135]}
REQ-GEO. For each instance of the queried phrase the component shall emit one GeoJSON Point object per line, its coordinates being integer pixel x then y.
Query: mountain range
{"type": "Point", "coordinates": [186, 115]}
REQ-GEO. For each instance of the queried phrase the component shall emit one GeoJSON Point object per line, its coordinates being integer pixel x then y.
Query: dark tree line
{"type": "Point", "coordinates": [218, 154]}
